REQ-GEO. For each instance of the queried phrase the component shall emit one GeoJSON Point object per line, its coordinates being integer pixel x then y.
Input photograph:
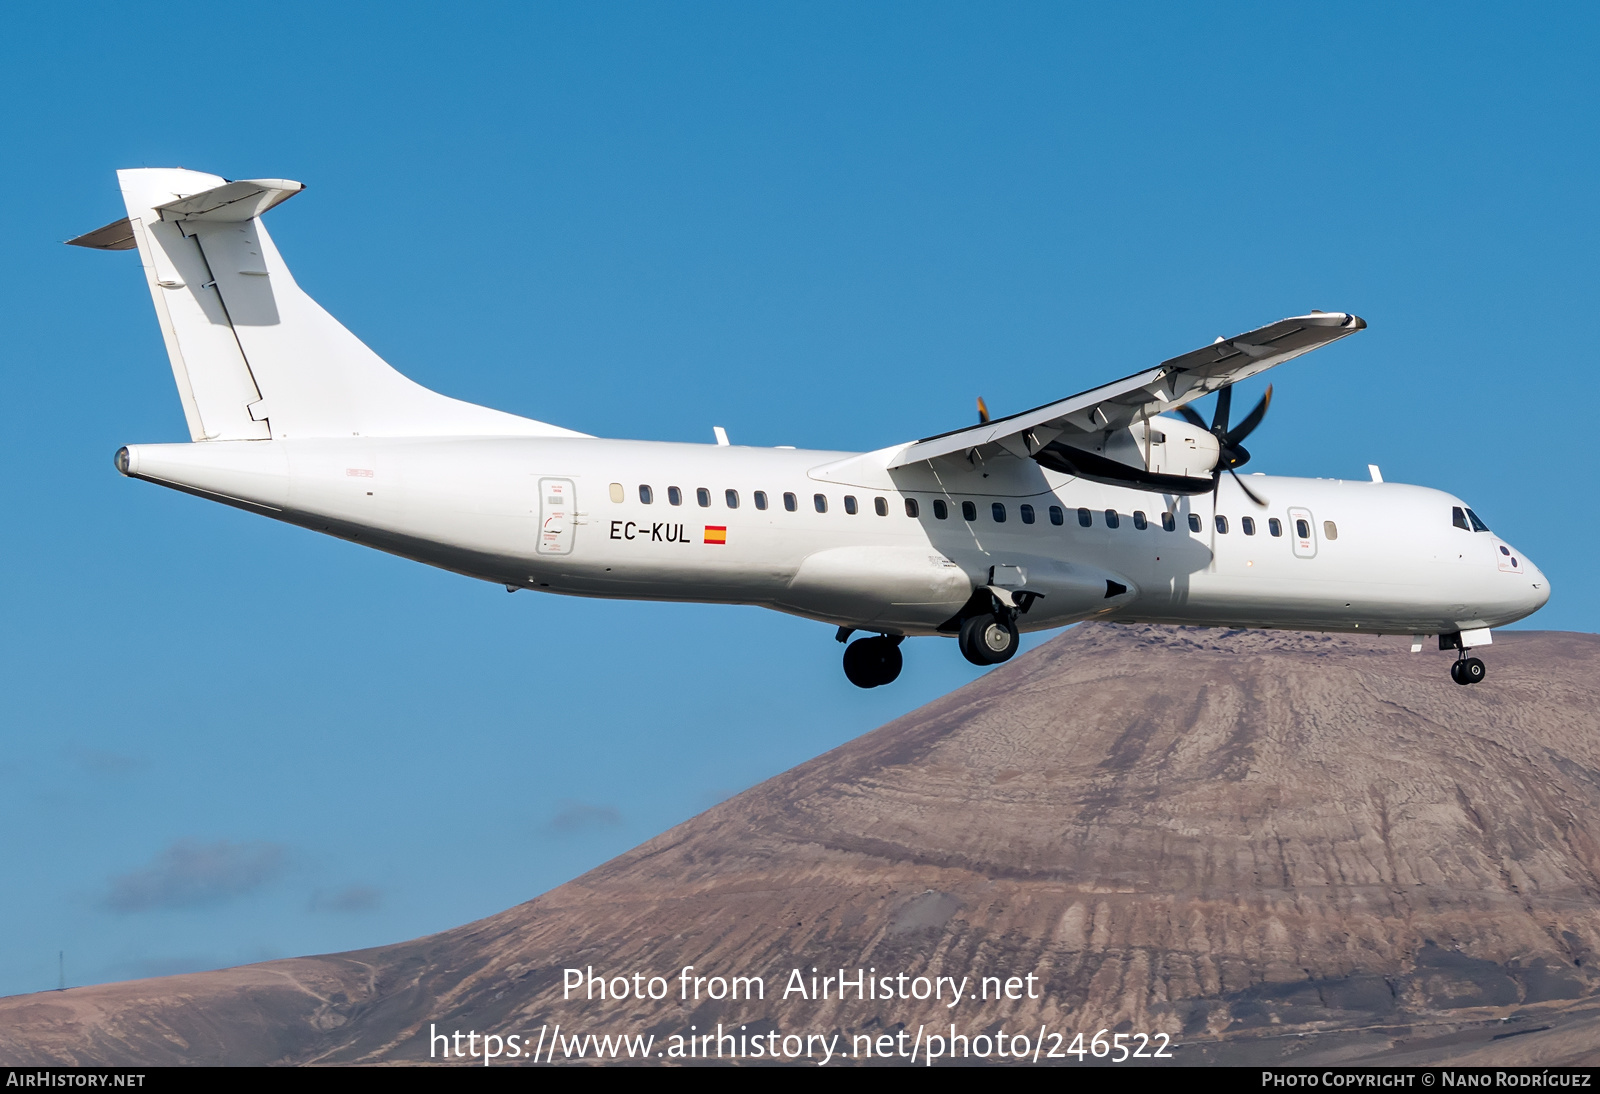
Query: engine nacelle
{"type": "Point", "coordinates": [1166, 454]}
{"type": "Point", "coordinates": [1175, 448]}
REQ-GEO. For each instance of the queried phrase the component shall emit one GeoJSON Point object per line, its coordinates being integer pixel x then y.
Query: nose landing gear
{"type": "Point", "coordinates": [1467, 670]}
{"type": "Point", "coordinates": [873, 662]}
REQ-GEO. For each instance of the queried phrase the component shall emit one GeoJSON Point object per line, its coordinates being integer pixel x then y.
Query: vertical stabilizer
{"type": "Point", "coordinates": [214, 379]}
{"type": "Point", "coordinates": [254, 357]}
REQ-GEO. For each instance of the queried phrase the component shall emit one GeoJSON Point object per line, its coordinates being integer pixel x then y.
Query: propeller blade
{"type": "Point", "coordinates": [1216, 486]}
{"type": "Point", "coordinates": [983, 412]}
{"type": "Point", "coordinates": [1249, 493]}
{"type": "Point", "coordinates": [1191, 417]}
{"type": "Point", "coordinates": [1224, 404]}
{"type": "Point", "coordinates": [1251, 420]}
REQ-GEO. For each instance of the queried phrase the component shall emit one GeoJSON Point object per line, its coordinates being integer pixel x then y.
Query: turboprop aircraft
{"type": "Point", "coordinates": [1099, 506]}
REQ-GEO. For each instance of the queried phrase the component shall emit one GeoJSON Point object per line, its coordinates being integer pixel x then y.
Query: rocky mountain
{"type": "Point", "coordinates": [1263, 847]}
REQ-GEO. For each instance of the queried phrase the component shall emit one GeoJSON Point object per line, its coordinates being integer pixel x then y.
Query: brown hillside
{"type": "Point", "coordinates": [1271, 847]}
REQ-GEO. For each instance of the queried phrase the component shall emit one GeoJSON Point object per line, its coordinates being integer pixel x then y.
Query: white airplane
{"type": "Point", "coordinates": [1096, 506]}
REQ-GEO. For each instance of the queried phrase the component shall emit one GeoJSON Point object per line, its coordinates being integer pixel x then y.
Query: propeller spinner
{"type": "Point", "coordinates": [1231, 452]}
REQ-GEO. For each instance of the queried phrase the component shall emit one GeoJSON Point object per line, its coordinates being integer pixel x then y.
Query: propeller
{"type": "Point", "coordinates": [1231, 453]}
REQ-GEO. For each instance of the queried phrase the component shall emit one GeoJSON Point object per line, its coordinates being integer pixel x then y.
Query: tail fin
{"type": "Point", "coordinates": [254, 356]}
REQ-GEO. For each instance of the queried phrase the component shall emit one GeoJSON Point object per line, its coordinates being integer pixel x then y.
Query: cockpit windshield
{"type": "Point", "coordinates": [1466, 520]}
{"type": "Point", "coordinates": [1477, 525]}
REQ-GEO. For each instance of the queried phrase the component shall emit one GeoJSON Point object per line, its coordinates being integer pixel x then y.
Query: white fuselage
{"type": "Point", "coordinates": [566, 515]}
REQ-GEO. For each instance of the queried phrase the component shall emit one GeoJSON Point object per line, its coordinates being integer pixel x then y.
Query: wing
{"type": "Point", "coordinates": [1143, 395]}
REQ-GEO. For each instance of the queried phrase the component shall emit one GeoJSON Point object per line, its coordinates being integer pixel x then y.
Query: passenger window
{"type": "Point", "coordinates": [1169, 522]}
{"type": "Point", "coordinates": [1458, 517]}
{"type": "Point", "coordinates": [820, 501]}
{"type": "Point", "coordinates": [616, 492]}
{"type": "Point", "coordinates": [674, 495]}
{"type": "Point", "coordinates": [732, 498]}
{"type": "Point", "coordinates": [969, 511]}
{"type": "Point", "coordinates": [646, 495]}
{"type": "Point", "coordinates": [1027, 513]}
{"type": "Point", "coordinates": [911, 508]}
{"type": "Point", "coordinates": [1194, 522]}
{"type": "Point", "coordinates": [880, 507]}
{"type": "Point", "coordinates": [1275, 526]}
{"type": "Point", "coordinates": [1085, 518]}
{"type": "Point", "coordinates": [1247, 525]}
{"type": "Point", "coordinates": [1222, 524]}
{"type": "Point", "coordinates": [1112, 520]}
{"type": "Point", "coordinates": [1477, 525]}
{"type": "Point", "coordinates": [703, 496]}
{"type": "Point", "coordinates": [1302, 528]}
{"type": "Point", "coordinates": [1330, 529]}
{"type": "Point", "coordinates": [850, 504]}
{"type": "Point", "coordinates": [940, 509]}
{"type": "Point", "coordinates": [1057, 517]}
{"type": "Point", "coordinates": [761, 499]}
{"type": "Point", "coordinates": [1139, 520]}
{"type": "Point", "coordinates": [790, 502]}
{"type": "Point", "coordinates": [999, 512]}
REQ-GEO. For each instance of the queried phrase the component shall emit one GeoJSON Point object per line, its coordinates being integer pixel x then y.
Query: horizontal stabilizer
{"type": "Point", "coordinates": [236, 201]}
{"type": "Point", "coordinates": [113, 237]}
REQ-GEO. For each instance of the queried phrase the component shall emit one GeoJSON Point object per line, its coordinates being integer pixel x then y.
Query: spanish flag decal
{"type": "Point", "coordinates": [716, 534]}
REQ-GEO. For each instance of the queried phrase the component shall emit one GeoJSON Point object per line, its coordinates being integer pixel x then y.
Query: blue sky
{"type": "Point", "coordinates": [828, 225]}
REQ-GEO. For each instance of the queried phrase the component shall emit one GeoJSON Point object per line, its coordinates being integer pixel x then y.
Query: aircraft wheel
{"type": "Point", "coordinates": [872, 662]}
{"type": "Point", "coordinates": [1455, 672]}
{"type": "Point", "coordinates": [988, 639]}
{"type": "Point", "coordinates": [1472, 671]}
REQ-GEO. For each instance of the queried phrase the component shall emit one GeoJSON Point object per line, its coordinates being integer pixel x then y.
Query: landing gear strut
{"type": "Point", "coordinates": [1467, 670]}
{"type": "Point", "coordinates": [873, 662]}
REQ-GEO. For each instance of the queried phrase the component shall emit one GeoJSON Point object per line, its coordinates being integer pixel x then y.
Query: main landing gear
{"type": "Point", "coordinates": [988, 639]}
{"type": "Point", "coordinates": [988, 633]}
{"type": "Point", "coordinates": [872, 662]}
{"type": "Point", "coordinates": [1467, 670]}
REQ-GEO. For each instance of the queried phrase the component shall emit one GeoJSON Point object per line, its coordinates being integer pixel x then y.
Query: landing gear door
{"type": "Point", "coordinates": [1303, 533]}
{"type": "Point", "coordinates": [556, 516]}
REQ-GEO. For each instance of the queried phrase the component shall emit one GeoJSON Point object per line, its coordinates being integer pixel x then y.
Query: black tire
{"type": "Point", "coordinates": [1472, 671]}
{"type": "Point", "coordinates": [988, 639]}
{"type": "Point", "coordinates": [872, 662]}
{"type": "Point", "coordinates": [1455, 672]}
